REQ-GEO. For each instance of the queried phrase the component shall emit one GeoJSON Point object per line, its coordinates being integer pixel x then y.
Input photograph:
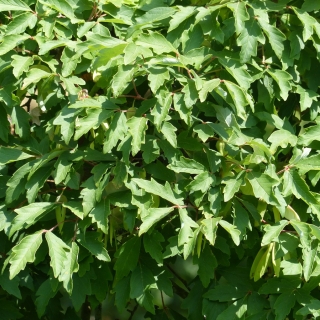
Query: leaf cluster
{"type": "Point", "coordinates": [159, 159]}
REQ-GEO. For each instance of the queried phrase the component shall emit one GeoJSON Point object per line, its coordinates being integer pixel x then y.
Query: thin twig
{"type": "Point", "coordinates": [132, 312]}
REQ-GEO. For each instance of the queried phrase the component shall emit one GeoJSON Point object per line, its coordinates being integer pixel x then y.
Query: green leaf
{"type": "Point", "coordinates": [63, 7]}
{"type": "Point", "coordinates": [70, 266]}
{"type": "Point", "coordinates": [240, 14]}
{"type": "Point", "coordinates": [93, 119]}
{"type": "Point", "coordinates": [293, 183]}
{"type": "Point", "coordinates": [168, 131]}
{"type": "Point", "coordinates": [202, 182]}
{"type": "Point", "coordinates": [57, 253]}
{"type": "Point", "coordinates": [20, 23]}
{"type": "Point", "coordinates": [310, 134]}
{"type": "Point", "coordinates": [47, 290]}
{"type": "Point", "coordinates": [238, 97]}
{"type": "Point", "coordinates": [81, 289]}
{"type": "Point", "coordinates": [94, 246]}
{"type": "Point", "coordinates": [152, 245]}
{"type": "Point", "coordinates": [157, 76]}
{"type": "Point", "coordinates": [276, 37]}
{"type": "Point", "coordinates": [20, 64]}
{"type": "Point", "coordinates": [10, 286]}
{"type": "Point", "coordinates": [29, 215]}
{"type": "Point", "coordinates": [309, 255]}
{"type": "Point", "coordinates": [248, 40]}
{"type": "Point", "coordinates": [161, 109]}
{"type": "Point", "coordinates": [272, 232]}
{"type": "Point", "coordinates": [36, 182]}
{"type": "Point", "coordinates": [232, 230]}
{"type": "Point", "coordinates": [284, 304]}
{"type": "Point", "coordinates": [8, 155]}
{"type": "Point", "coordinates": [63, 166]}
{"type": "Point", "coordinates": [163, 191]}
{"type": "Point", "coordinates": [20, 118]}
{"type": "Point", "coordinates": [307, 21]}
{"type": "Point", "coordinates": [140, 281]}
{"type": "Point", "coordinates": [303, 231]}
{"type": "Point", "coordinates": [127, 257]}
{"type": "Point", "coordinates": [122, 78]}
{"type": "Point", "coordinates": [24, 252]}
{"type": "Point", "coordinates": [151, 150]}
{"type": "Point", "coordinates": [180, 16]}
{"type": "Point", "coordinates": [137, 128]}
{"type": "Point", "coordinates": [263, 187]}
{"type": "Point", "coordinates": [16, 184]}
{"type": "Point", "coordinates": [34, 76]}
{"type": "Point", "coordinates": [281, 138]}
{"type": "Point", "coordinates": [310, 163]}
{"type": "Point", "coordinates": [210, 226]}
{"type": "Point", "coordinates": [186, 165]}
{"type": "Point", "coordinates": [306, 98]}
{"type": "Point", "coordinates": [157, 42]}
{"type": "Point", "coordinates": [153, 216]}
{"type": "Point", "coordinates": [310, 5]}
{"type": "Point", "coordinates": [132, 52]}
{"type": "Point", "coordinates": [13, 5]}
{"type": "Point", "coordinates": [233, 185]}
{"type": "Point", "coordinates": [100, 214]}
{"type": "Point", "coordinates": [207, 265]}
{"type": "Point", "coordinates": [115, 132]}
{"type": "Point", "coordinates": [283, 80]}
{"type": "Point", "coordinates": [207, 87]}
{"type": "Point", "coordinates": [225, 293]}
{"type": "Point", "coordinates": [75, 207]}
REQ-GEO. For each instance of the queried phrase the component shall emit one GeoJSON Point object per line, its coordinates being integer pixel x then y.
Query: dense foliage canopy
{"type": "Point", "coordinates": [161, 158]}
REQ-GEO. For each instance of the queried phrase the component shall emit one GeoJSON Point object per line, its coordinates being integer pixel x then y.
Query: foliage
{"type": "Point", "coordinates": [160, 157]}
